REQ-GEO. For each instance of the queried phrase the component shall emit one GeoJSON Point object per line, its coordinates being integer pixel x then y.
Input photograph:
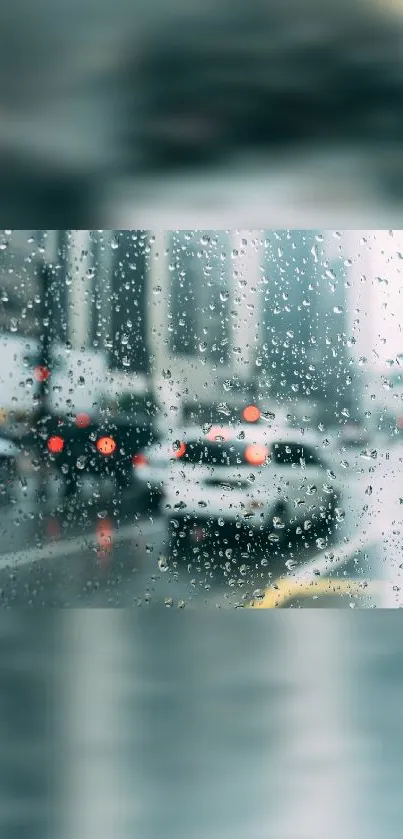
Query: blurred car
{"type": "Point", "coordinates": [102, 443]}
{"type": "Point", "coordinates": [150, 469]}
{"type": "Point", "coordinates": [262, 480]}
{"type": "Point", "coordinates": [355, 435]}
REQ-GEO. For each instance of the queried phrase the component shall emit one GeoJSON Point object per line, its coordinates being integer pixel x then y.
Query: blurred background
{"type": "Point", "coordinates": [105, 109]}
{"type": "Point", "coordinates": [150, 121]}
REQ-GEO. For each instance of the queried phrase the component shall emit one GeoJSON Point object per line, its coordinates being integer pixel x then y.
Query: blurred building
{"type": "Point", "coordinates": [290, 264]}
{"type": "Point", "coordinates": [188, 310]}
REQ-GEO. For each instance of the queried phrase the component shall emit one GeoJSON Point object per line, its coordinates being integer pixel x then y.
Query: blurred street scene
{"type": "Point", "coordinates": [201, 417]}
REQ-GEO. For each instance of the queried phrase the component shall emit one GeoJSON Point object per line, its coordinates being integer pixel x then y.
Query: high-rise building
{"type": "Point", "coordinates": [290, 263]}
{"type": "Point", "coordinates": [129, 301]}
{"type": "Point", "coordinates": [199, 294]}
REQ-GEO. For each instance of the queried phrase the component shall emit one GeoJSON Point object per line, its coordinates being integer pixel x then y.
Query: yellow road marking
{"type": "Point", "coordinates": [286, 590]}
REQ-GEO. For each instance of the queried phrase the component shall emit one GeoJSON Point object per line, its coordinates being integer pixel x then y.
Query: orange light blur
{"type": "Point", "coordinates": [83, 420]}
{"type": "Point", "coordinates": [139, 460]}
{"type": "Point", "coordinates": [41, 373]}
{"type": "Point", "coordinates": [217, 433]}
{"type": "Point", "coordinates": [251, 413]}
{"type": "Point", "coordinates": [104, 535]}
{"type": "Point", "coordinates": [106, 446]}
{"type": "Point", "coordinates": [180, 451]}
{"type": "Point", "coordinates": [54, 528]}
{"type": "Point", "coordinates": [399, 423]}
{"type": "Point", "coordinates": [55, 444]}
{"type": "Point", "coordinates": [256, 455]}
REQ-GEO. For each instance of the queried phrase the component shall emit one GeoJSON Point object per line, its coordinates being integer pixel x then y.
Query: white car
{"type": "Point", "coordinates": [263, 479]}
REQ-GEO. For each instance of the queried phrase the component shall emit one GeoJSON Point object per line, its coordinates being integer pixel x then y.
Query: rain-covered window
{"type": "Point", "coordinates": [200, 266]}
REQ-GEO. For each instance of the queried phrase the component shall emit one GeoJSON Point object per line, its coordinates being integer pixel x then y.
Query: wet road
{"type": "Point", "coordinates": [102, 551]}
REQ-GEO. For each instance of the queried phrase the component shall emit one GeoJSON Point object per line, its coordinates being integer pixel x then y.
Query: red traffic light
{"type": "Point", "coordinates": [41, 373]}
{"type": "Point", "coordinates": [55, 444]}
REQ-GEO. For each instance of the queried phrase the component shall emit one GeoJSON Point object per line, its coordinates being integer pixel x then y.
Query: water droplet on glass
{"type": "Point", "coordinates": [368, 454]}
{"type": "Point", "coordinates": [163, 563]}
{"type": "Point", "coordinates": [291, 564]}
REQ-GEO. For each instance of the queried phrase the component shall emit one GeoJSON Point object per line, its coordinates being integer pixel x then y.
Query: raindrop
{"type": "Point", "coordinates": [321, 543]}
{"type": "Point", "coordinates": [163, 563]}
{"type": "Point", "coordinates": [368, 454]}
{"type": "Point", "coordinates": [166, 374]}
{"type": "Point", "coordinates": [338, 310]}
{"type": "Point", "coordinates": [291, 564]}
{"type": "Point", "coordinates": [224, 296]}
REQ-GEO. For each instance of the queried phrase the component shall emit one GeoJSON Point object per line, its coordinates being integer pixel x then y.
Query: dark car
{"type": "Point", "coordinates": [102, 444]}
